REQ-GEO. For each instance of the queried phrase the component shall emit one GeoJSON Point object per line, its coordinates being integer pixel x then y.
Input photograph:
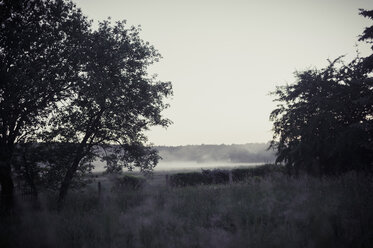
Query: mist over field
{"type": "Point", "coordinates": [242, 153]}
{"type": "Point", "coordinates": [195, 157]}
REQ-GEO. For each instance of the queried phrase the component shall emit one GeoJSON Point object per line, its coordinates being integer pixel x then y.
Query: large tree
{"type": "Point", "coordinates": [116, 101]}
{"type": "Point", "coordinates": [323, 123]}
{"type": "Point", "coordinates": [40, 62]}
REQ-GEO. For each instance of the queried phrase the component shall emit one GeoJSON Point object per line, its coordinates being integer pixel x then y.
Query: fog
{"type": "Point", "coordinates": [196, 157]}
{"type": "Point", "coordinates": [190, 165]}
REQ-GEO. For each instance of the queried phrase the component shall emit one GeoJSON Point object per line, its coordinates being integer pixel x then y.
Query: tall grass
{"type": "Point", "coordinates": [275, 211]}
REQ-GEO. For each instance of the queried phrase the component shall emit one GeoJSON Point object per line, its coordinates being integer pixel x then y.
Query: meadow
{"type": "Point", "coordinates": [274, 210]}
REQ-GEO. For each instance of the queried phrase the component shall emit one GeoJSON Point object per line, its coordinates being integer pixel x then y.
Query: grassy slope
{"type": "Point", "coordinates": [276, 211]}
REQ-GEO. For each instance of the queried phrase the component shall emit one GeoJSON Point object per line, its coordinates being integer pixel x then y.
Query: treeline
{"type": "Point", "coordinates": [235, 153]}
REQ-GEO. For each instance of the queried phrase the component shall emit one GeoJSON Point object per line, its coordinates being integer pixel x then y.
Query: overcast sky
{"type": "Point", "coordinates": [224, 57]}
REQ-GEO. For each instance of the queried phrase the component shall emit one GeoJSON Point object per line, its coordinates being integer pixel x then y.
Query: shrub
{"type": "Point", "coordinates": [241, 174]}
{"type": "Point", "coordinates": [217, 176]}
{"type": "Point", "coordinates": [189, 179]}
{"type": "Point", "coordinates": [129, 182]}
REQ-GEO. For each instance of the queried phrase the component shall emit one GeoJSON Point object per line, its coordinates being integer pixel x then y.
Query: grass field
{"type": "Point", "coordinates": [271, 211]}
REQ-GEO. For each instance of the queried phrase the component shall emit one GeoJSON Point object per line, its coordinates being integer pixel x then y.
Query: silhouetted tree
{"type": "Point", "coordinates": [113, 105]}
{"type": "Point", "coordinates": [324, 122]}
{"type": "Point", "coordinates": [40, 63]}
{"type": "Point", "coordinates": [367, 36]}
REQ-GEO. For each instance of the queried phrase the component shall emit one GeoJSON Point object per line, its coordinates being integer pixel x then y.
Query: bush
{"type": "Point", "coordinates": [242, 174]}
{"type": "Point", "coordinates": [189, 179]}
{"type": "Point", "coordinates": [217, 176]}
{"type": "Point", "coordinates": [129, 182]}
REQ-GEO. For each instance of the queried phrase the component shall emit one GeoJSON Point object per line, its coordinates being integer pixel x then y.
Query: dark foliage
{"type": "Point", "coordinates": [218, 176]}
{"type": "Point", "coordinates": [367, 36]}
{"type": "Point", "coordinates": [73, 89]}
{"type": "Point", "coordinates": [40, 60]}
{"type": "Point", "coordinates": [115, 103]}
{"type": "Point", "coordinates": [241, 174]}
{"type": "Point", "coordinates": [128, 182]}
{"type": "Point", "coordinates": [324, 122]}
{"type": "Point", "coordinates": [42, 165]}
{"type": "Point", "coordinates": [189, 179]}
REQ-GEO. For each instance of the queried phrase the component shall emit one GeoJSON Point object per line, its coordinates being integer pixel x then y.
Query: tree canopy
{"type": "Point", "coordinates": [39, 66]}
{"type": "Point", "coordinates": [70, 89]}
{"type": "Point", "coordinates": [115, 102]}
{"type": "Point", "coordinates": [323, 123]}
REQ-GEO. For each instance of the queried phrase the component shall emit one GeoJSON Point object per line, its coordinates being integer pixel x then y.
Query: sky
{"type": "Point", "coordinates": [224, 57]}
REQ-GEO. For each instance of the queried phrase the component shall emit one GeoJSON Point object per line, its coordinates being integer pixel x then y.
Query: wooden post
{"type": "Point", "coordinates": [230, 177]}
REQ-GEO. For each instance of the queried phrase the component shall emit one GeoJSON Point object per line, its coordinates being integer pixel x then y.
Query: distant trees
{"type": "Point", "coordinates": [70, 89]}
{"type": "Point", "coordinates": [324, 122]}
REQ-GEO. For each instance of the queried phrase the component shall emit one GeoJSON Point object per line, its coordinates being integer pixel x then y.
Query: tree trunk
{"type": "Point", "coordinates": [65, 185]}
{"type": "Point", "coordinates": [80, 153]}
{"type": "Point", "coordinates": [30, 174]}
{"type": "Point", "coordinates": [7, 187]}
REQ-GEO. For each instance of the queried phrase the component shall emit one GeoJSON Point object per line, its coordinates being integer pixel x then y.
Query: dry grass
{"type": "Point", "coordinates": [274, 211]}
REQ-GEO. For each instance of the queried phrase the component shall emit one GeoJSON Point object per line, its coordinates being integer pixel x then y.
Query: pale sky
{"type": "Point", "coordinates": [224, 57]}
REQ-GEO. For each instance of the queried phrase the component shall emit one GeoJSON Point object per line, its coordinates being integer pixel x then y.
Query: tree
{"type": "Point", "coordinates": [324, 122]}
{"type": "Point", "coordinates": [367, 36]}
{"type": "Point", "coordinates": [113, 105]}
{"type": "Point", "coordinates": [39, 66]}
{"type": "Point", "coordinates": [321, 126]}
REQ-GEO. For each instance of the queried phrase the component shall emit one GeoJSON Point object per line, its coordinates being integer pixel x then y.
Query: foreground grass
{"type": "Point", "coordinates": [275, 211]}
